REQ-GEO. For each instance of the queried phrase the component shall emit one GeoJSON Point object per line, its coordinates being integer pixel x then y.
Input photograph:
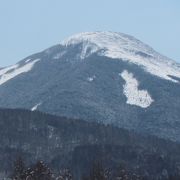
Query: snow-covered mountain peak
{"type": "Point", "coordinates": [127, 48]}
{"type": "Point", "coordinates": [108, 40]}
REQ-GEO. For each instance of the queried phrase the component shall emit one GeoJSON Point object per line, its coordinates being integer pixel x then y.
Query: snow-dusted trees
{"type": "Point", "coordinates": [39, 171]}
{"type": "Point", "coordinates": [65, 174]}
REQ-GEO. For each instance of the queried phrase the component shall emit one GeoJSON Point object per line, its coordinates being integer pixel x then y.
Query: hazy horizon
{"type": "Point", "coordinates": [30, 27]}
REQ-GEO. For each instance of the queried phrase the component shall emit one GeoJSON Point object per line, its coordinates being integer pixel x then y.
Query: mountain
{"type": "Point", "coordinates": [104, 77]}
{"type": "Point", "coordinates": [77, 144]}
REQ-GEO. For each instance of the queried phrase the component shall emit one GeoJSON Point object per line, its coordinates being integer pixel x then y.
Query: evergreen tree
{"type": "Point", "coordinates": [98, 172]}
{"type": "Point", "coordinates": [19, 170]}
{"type": "Point", "coordinates": [41, 172]}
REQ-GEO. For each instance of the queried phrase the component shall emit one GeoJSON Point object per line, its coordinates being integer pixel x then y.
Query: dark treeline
{"type": "Point", "coordinates": [72, 143]}
{"type": "Point", "coordinates": [41, 171]}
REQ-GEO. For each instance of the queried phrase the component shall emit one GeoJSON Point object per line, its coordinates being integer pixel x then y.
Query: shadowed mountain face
{"type": "Point", "coordinates": [77, 144]}
{"type": "Point", "coordinates": [107, 77]}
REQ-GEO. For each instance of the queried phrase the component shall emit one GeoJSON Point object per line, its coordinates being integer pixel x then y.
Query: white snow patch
{"type": "Point", "coordinates": [126, 48]}
{"type": "Point", "coordinates": [5, 70]}
{"type": "Point", "coordinates": [28, 60]}
{"type": "Point", "coordinates": [57, 56]}
{"type": "Point", "coordinates": [135, 96]}
{"type": "Point", "coordinates": [35, 107]}
{"type": "Point", "coordinates": [13, 71]}
{"type": "Point", "coordinates": [90, 79]}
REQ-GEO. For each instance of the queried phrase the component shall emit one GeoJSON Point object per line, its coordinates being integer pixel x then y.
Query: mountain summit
{"type": "Point", "coordinates": [127, 48]}
{"type": "Point", "coordinates": [108, 77]}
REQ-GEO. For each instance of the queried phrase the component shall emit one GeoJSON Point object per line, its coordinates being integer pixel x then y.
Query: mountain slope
{"type": "Point", "coordinates": [108, 77]}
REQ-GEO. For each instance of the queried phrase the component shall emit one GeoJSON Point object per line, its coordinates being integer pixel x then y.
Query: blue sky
{"type": "Point", "coordinates": [27, 27]}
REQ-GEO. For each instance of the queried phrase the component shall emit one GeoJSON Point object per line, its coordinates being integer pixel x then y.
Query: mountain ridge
{"type": "Point", "coordinates": [117, 46]}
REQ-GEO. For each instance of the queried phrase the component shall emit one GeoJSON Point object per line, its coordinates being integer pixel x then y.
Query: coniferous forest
{"type": "Point", "coordinates": [56, 147]}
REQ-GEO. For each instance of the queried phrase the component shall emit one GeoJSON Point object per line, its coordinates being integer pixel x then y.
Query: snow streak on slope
{"type": "Point", "coordinates": [134, 95]}
{"type": "Point", "coordinates": [59, 55]}
{"type": "Point", "coordinates": [28, 60]}
{"type": "Point", "coordinates": [35, 107]}
{"type": "Point", "coordinates": [13, 71]}
{"type": "Point", "coordinates": [126, 48]}
{"type": "Point", "coordinates": [5, 70]}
